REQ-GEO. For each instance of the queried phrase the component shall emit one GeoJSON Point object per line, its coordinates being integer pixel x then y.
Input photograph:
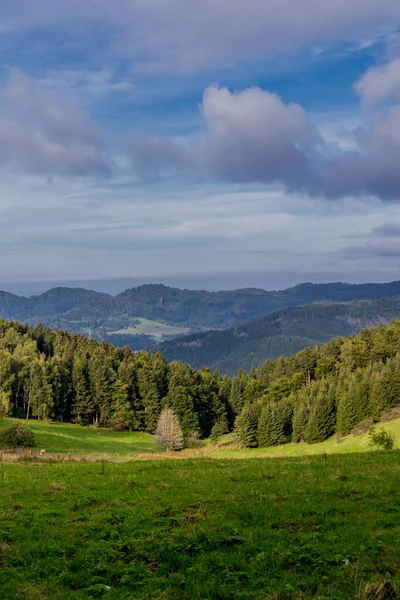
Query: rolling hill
{"type": "Point", "coordinates": [281, 333]}
{"type": "Point", "coordinates": [133, 317]}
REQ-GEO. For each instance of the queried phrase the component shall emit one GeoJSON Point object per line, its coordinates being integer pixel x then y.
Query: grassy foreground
{"type": "Point", "coordinates": [289, 528]}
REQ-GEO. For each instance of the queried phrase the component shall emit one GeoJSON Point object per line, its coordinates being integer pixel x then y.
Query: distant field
{"type": "Point", "coordinates": [152, 328]}
{"type": "Point", "coordinates": [283, 529]}
{"type": "Point", "coordinates": [348, 444]}
{"type": "Point", "coordinates": [67, 438]}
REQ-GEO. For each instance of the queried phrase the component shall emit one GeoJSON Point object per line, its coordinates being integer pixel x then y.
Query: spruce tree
{"type": "Point", "coordinates": [302, 407]}
{"type": "Point", "coordinates": [321, 422]}
{"type": "Point", "coordinates": [246, 427]}
{"type": "Point", "coordinates": [347, 413]}
{"type": "Point", "coordinates": [263, 429]}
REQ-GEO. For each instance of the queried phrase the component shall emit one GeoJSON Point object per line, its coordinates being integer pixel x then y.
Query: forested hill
{"type": "Point", "coordinates": [122, 319]}
{"type": "Point", "coordinates": [282, 333]}
{"type": "Point", "coordinates": [309, 396]}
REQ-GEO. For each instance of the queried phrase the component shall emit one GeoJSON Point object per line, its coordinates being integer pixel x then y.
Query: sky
{"type": "Point", "coordinates": [211, 144]}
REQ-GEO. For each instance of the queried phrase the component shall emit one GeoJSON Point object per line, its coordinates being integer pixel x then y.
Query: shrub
{"type": "Point", "coordinates": [193, 440]}
{"type": "Point", "coordinates": [17, 435]}
{"type": "Point", "coordinates": [389, 415]}
{"type": "Point", "coordinates": [381, 439]}
{"type": "Point", "coordinates": [363, 427]}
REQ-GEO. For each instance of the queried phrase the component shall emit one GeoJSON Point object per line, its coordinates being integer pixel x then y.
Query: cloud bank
{"type": "Point", "coordinates": [187, 37]}
{"type": "Point", "coordinates": [41, 133]}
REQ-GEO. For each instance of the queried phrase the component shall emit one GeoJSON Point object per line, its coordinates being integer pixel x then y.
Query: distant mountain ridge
{"type": "Point", "coordinates": [114, 318]}
{"type": "Point", "coordinates": [285, 332]}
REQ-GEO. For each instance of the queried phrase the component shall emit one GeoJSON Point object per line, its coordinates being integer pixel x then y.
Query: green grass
{"type": "Point", "coordinates": [152, 328]}
{"type": "Point", "coordinates": [348, 444]}
{"type": "Point", "coordinates": [283, 529]}
{"type": "Point", "coordinates": [66, 438]}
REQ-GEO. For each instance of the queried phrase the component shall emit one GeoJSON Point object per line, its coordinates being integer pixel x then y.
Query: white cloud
{"type": "Point", "coordinates": [381, 83]}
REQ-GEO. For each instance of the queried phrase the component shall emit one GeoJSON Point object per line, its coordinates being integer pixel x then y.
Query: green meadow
{"type": "Point", "coordinates": [67, 438]}
{"type": "Point", "coordinates": [271, 526]}
{"type": "Point", "coordinates": [288, 528]}
{"type": "Point", "coordinates": [155, 329]}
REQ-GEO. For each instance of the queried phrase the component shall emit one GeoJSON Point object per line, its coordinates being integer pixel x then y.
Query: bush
{"type": "Point", "coordinates": [363, 427]}
{"type": "Point", "coordinates": [193, 441]}
{"type": "Point", "coordinates": [389, 415]}
{"type": "Point", "coordinates": [381, 439]}
{"type": "Point", "coordinates": [17, 435]}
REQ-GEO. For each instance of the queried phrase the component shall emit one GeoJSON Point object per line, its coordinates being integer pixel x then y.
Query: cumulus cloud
{"type": "Point", "coordinates": [188, 36]}
{"type": "Point", "coordinates": [249, 136]}
{"type": "Point", "coordinates": [253, 136]}
{"type": "Point", "coordinates": [380, 83]}
{"type": "Point", "coordinates": [41, 133]}
{"type": "Point", "coordinates": [373, 169]}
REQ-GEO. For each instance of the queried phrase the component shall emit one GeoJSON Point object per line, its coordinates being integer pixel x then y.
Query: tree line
{"type": "Point", "coordinates": [57, 375]}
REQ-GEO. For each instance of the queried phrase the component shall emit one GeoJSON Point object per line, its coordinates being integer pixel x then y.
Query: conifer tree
{"type": "Point", "coordinates": [236, 399]}
{"type": "Point", "coordinates": [302, 407]}
{"type": "Point", "coordinates": [169, 431]}
{"type": "Point", "coordinates": [347, 413]}
{"type": "Point", "coordinates": [246, 427]}
{"type": "Point", "coordinates": [122, 415]}
{"type": "Point", "coordinates": [321, 422]}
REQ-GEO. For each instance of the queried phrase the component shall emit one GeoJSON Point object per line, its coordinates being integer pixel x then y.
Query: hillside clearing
{"type": "Point", "coordinates": [151, 328]}
{"type": "Point", "coordinates": [92, 442]}
{"type": "Point", "coordinates": [68, 438]}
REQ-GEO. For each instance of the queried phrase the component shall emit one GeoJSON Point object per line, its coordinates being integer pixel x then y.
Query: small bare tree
{"type": "Point", "coordinates": [169, 431]}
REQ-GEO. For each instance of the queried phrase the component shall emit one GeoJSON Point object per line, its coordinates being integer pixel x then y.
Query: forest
{"type": "Point", "coordinates": [102, 316]}
{"type": "Point", "coordinates": [307, 397]}
{"type": "Point", "coordinates": [284, 332]}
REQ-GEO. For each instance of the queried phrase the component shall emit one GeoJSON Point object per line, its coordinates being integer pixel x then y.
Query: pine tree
{"type": "Point", "coordinates": [220, 428]}
{"type": "Point", "coordinates": [83, 405]}
{"type": "Point", "coordinates": [263, 429]}
{"type": "Point", "coordinates": [122, 415]}
{"type": "Point", "coordinates": [347, 413]}
{"type": "Point", "coordinates": [273, 424]}
{"type": "Point", "coordinates": [169, 431]}
{"type": "Point", "coordinates": [302, 407]}
{"type": "Point", "coordinates": [236, 399]}
{"type": "Point", "coordinates": [246, 427]}
{"type": "Point", "coordinates": [321, 422]}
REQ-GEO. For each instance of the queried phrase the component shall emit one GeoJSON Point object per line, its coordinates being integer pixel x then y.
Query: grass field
{"type": "Point", "coordinates": [67, 438]}
{"type": "Point", "coordinates": [283, 529]}
{"type": "Point", "coordinates": [152, 328]}
{"type": "Point", "coordinates": [348, 444]}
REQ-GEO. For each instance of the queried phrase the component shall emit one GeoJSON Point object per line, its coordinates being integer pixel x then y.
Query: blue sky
{"type": "Point", "coordinates": [204, 144]}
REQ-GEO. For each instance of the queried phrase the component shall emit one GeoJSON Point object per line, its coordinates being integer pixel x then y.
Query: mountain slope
{"type": "Point", "coordinates": [282, 333]}
{"type": "Point", "coordinates": [114, 318]}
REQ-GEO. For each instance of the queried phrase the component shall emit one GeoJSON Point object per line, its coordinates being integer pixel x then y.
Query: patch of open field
{"type": "Point", "coordinates": [67, 438]}
{"type": "Point", "coordinates": [343, 445]}
{"type": "Point", "coordinates": [283, 529]}
{"type": "Point", "coordinates": [92, 442]}
{"type": "Point", "coordinates": [152, 328]}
